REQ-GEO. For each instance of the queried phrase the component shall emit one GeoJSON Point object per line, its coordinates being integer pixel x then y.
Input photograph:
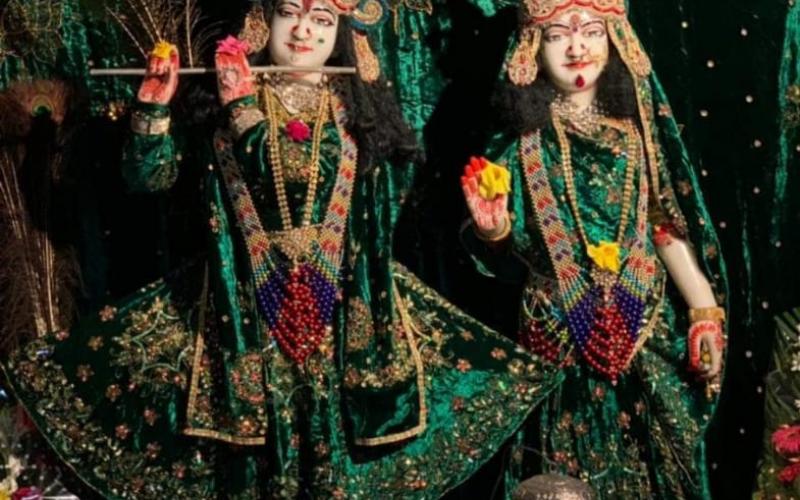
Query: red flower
{"type": "Point", "coordinates": [298, 130]}
{"type": "Point", "coordinates": [786, 440]}
{"type": "Point", "coordinates": [789, 474]}
{"type": "Point", "coordinates": [27, 493]}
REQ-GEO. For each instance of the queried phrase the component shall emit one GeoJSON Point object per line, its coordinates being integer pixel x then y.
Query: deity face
{"type": "Point", "coordinates": [302, 33]}
{"type": "Point", "coordinates": [575, 51]}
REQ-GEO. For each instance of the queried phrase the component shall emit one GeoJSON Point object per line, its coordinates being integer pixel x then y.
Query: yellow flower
{"type": "Point", "coordinates": [605, 256]}
{"type": "Point", "coordinates": [495, 181]}
{"type": "Point", "coordinates": [163, 49]}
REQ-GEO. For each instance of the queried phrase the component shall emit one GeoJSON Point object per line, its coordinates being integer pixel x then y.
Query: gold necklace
{"type": "Point", "coordinates": [297, 97]}
{"type": "Point", "coordinates": [633, 157]}
{"type": "Point", "coordinates": [277, 164]}
{"type": "Point", "coordinates": [586, 120]}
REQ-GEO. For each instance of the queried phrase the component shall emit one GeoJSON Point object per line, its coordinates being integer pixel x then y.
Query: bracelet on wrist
{"type": "Point", "coordinates": [707, 314]}
{"type": "Point", "coordinates": [143, 124]}
{"type": "Point", "coordinates": [502, 235]}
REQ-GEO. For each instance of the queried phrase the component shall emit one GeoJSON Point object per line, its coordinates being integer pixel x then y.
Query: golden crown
{"type": "Point", "coordinates": [542, 11]}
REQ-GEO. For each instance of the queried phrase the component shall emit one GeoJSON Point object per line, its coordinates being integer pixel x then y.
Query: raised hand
{"type": "Point", "coordinates": [486, 188]}
{"type": "Point", "coordinates": [234, 78]}
{"type": "Point", "coordinates": [161, 77]}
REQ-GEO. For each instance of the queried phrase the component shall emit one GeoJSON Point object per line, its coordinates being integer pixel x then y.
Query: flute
{"type": "Point", "coordinates": [342, 70]}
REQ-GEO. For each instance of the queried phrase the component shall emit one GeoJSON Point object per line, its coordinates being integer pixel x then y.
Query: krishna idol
{"type": "Point", "coordinates": [296, 359]}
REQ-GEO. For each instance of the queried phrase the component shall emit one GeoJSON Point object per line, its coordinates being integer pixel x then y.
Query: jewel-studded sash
{"type": "Point", "coordinates": [605, 334]}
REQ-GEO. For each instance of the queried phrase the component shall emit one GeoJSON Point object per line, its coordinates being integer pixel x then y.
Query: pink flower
{"type": "Point", "coordinates": [232, 46]}
{"type": "Point", "coordinates": [298, 131]}
{"type": "Point", "coordinates": [27, 493]}
{"type": "Point", "coordinates": [786, 440]}
{"type": "Point", "coordinates": [789, 474]}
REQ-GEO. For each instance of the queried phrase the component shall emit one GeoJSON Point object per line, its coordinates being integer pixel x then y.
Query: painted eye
{"type": "Point", "coordinates": [596, 33]}
{"type": "Point", "coordinates": [553, 37]}
{"type": "Point", "coordinates": [285, 12]}
{"type": "Point", "coordinates": [323, 21]}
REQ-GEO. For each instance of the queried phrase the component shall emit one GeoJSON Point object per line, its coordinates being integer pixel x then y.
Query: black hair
{"type": "Point", "coordinates": [374, 116]}
{"type": "Point", "coordinates": [527, 108]}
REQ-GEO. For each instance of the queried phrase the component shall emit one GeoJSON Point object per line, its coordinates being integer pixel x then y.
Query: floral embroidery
{"type": "Point", "coordinates": [248, 379]}
{"type": "Point", "coordinates": [359, 331]}
{"type": "Point", "coordinates": [155, 346]}
{"type": "Point", "coordinates": [499, 354]}
{"type": "Point", "coordinates": [150, 416]}
{"type": "Point", "coordinates": [95, 343]}
{"type": "Point", "coordinates": [152, 450]}
{"type": "Point", "coordinates": [399, 369]}
{"type": "Point", "coordinates": [107, 313]}
{"type": "Point", "coordinates": [122, 431]}
{"type": "Point", "coordinates": [84, 373]}
{"type": "Point", "coordinates": [113, 392]}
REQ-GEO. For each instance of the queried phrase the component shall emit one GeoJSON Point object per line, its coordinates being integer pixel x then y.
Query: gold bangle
{"type": "Point", "coordinates": [707, 314]}
{"type": "Point", "coordinates": [500, 237]}
{"type": "Point", "coordinates": [145, 125]}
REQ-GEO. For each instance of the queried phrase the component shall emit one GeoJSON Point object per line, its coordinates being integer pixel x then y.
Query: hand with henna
{"type": "Point", "coordinates": [234, 78]}
{"type": "Point", "coordinates": [486, 188]}
{"type": "Point", "coordinates": [706, 345]}
{"type": "Point", "coordinates": [161, 77]}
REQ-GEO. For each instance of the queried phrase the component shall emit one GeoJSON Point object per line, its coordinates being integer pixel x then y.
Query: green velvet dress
{"type": "Point", "coordinates": [642, 436]}
{"type": "Point", "coordinates": [179, 391]}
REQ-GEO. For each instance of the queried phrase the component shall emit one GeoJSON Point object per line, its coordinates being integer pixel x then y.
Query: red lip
{"type": "Point", "coordinates": [578, 65]}
{"type": "Point", "coordinates": [299, 48]}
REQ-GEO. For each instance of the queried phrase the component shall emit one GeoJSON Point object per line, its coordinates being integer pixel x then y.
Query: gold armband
{"type": "Point", "coordinates": [707, 314]}
{"type": "Point", "coordinates": [146, 125]}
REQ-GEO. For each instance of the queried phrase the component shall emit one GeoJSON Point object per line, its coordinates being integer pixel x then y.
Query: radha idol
{"type": "Point", "coordinates": [297, 360]}
{"type": "Point", "coordinates": [591, 200]}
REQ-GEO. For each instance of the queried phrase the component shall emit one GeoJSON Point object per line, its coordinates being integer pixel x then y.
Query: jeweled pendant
{"type": "Point", "coordinates": [609, 345]}
{"type": "Point", "coordinates": [299, 309]}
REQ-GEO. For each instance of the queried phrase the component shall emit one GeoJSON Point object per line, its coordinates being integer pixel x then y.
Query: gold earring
{"type": "Point", "coordinates": [369, 68]}
{"type": "Point", "coordinates": [255, 30]}
{"type": "Point", "coordinates": [522, 66]}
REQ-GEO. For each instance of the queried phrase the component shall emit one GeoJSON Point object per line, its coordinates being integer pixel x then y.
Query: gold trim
{"type": "Point", "coordinates": [409, 328]}
{"type": "Point", "coordinates": [193, 386]}
{"type": "Point", "coordinates": [226, 438]}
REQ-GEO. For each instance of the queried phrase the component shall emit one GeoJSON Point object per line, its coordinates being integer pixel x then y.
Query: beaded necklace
{"type": "Point", "coordinates": [296, 244]}
{"type": "Point", "coordinates": [604, 310]}
{"type": "Point", "coordinates": [295, 271]}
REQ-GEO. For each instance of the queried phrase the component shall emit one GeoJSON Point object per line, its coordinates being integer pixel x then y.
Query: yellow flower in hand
{"type": "Point", "coordinates": [606, 256]}
{"type": "Point", "coordinates": [494, 180]}
{"type": "Point", "coordinates": [163, 50]}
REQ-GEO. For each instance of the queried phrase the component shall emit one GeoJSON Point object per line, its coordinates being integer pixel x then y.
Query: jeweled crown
{"type": "Point", "coordinates": [542, 11]}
